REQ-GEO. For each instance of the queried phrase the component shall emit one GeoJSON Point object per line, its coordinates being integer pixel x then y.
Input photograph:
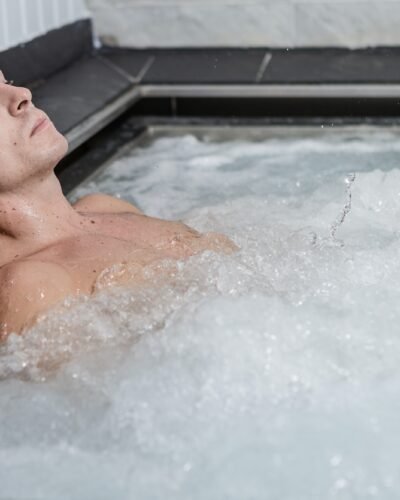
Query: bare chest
{"type": "Point", "coordinates": [129, 241]}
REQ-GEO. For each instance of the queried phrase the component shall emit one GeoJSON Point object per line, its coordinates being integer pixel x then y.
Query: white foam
{"type": "Point", "coordinates": [272, 373]}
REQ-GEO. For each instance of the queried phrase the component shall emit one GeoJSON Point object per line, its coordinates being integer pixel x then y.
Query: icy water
{"type": "Point", "coordinates": [273, 373]}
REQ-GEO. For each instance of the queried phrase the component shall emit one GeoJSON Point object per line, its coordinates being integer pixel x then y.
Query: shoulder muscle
{"type": "Point", "coordinates": [28, 289]}
{"type": "Point", "coordinates": [98, 202]}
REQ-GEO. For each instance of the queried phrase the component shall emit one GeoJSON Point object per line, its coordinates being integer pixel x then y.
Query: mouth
{"type": "Point", "coordinates": [39, 125]}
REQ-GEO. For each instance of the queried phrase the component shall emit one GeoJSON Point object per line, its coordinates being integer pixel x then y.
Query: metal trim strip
{"type": "Point", "coordinates": [387, 91]}
{"type": "Point", "coordinates": [89, 127]}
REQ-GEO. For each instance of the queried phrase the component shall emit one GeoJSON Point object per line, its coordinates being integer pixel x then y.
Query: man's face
{"type": "Point", "coordinates": [30, 145]}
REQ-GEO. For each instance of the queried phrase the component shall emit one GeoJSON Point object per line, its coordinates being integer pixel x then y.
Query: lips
{"type": "Point", "coordinates": [39, 124]}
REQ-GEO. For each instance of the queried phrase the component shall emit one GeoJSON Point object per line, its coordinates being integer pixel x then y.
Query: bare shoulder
{"type": "Point", "coordinates": [98, 202]}
{"type": "Point", "coordinates": [29, 288]}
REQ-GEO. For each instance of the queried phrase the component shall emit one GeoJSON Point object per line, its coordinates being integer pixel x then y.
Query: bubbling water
{"type": "Point", "coordinates": [346, 209]}
{"type": "Point", "coordinates": [269, 373]}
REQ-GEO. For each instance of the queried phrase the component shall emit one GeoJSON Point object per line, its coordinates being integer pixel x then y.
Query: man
{"type": "Point", "coordinates": [50, 249]}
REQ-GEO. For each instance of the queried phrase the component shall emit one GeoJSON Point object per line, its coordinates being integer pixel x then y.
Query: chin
{"type": "Point", "coordinates": [56, 149]}
{"type": "Point", "coordinates": [61, 145]}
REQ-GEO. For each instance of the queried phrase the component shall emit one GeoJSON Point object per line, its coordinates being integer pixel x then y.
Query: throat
{"type": "Point", "coordinates": [37, 212]}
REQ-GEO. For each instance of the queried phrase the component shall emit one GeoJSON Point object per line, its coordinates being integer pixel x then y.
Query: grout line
{"type": "Point", "coordinates": [118, 69]}
{"type": "Point", "coordinates": [145, 68]}
{"type": "Point", "coordinates": [263, 66]}
{"type": "Point", "coordinates": [88, 127]}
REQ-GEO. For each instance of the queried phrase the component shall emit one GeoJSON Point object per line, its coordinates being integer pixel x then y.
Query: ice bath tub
{"type": "Point", "coordinates": [269, 374]}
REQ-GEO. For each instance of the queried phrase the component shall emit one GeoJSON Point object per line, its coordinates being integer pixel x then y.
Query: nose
{"type": "Point", "coordinates": [18, 99]}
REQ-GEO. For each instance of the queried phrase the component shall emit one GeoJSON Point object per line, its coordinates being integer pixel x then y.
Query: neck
{"type": "Point", "coordinates": [37, 213]}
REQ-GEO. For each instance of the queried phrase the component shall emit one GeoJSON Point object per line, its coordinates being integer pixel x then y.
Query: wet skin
{"type": "Point", "coordinates": [50, 250]}
{"type": "Point", "coordinates": [129, 238]}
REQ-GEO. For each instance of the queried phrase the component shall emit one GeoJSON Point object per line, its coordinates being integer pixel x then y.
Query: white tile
{"type": "Point", "coordinates": [32, 17]}
{"type": "Point", "coordinates": [55, 6]}
{"type": "Point", "coordinates": [351, 24]}
{"type": "Point", "coordinates": [63, 13]}
{"type": "Point", "coordinates": [40, 16]}
{"type": "Point", "coordinates": [4, 37]}
{"type": "Point", "coordinates": [14, 26]}
{"type": "Point", "coordinates": [22, 20]}
{"type": "Point", "coordinates": [79, 9]}
{"type": "Point", "coordinates": [71, 5]}
{"type": "Point", "coordinates": [198, 25]}
{"type": "Point", "coordinates": [48, 14]}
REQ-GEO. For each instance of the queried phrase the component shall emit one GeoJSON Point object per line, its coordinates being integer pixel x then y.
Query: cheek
{"type": "Point", "coordinates": [12, 149]}
{"type": "Point", "coordinates": [9, 150]}
{"type": "Point", "coordinates": [11, 171]}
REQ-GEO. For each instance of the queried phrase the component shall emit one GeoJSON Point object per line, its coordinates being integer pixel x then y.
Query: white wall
{"type": "Point", "coordinates": [22, 20]}
{"type": "Point", "coordinates": [281, 23]}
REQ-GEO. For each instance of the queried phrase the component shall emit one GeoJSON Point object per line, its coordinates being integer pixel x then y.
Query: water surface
{"type": "Point", "coordinates": [269, 374]}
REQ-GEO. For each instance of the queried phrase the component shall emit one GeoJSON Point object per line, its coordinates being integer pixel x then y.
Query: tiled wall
{"type": "Point", "coordinates": [282, 23]}
{"type": "Point", "coordinates": [22, 20]}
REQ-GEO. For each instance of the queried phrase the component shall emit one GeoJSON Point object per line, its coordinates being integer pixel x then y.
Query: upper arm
{"type": "Point", "coordinates": [28, 289]}
{"type": "Point", "coordinates": [98, 202]}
